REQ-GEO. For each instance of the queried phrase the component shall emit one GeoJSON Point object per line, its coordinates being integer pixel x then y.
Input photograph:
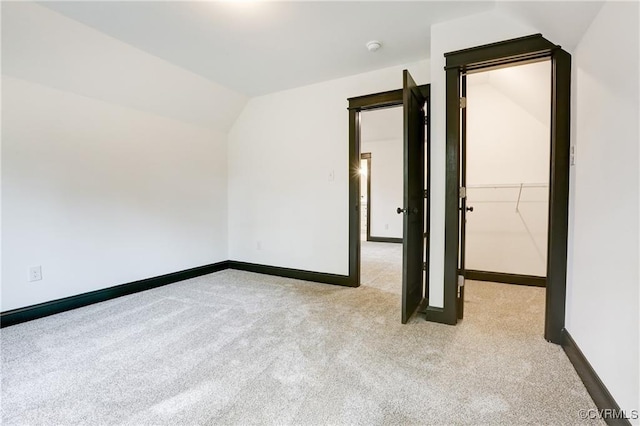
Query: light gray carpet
{"type": "Point", "coordinates": [241, 348]}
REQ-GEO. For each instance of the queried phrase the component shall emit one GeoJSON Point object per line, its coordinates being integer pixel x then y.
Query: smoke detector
{"type": "Point", "coordinates": [374, 45]}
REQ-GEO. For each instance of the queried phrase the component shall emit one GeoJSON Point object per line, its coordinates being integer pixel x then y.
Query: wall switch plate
{"type": "Point", "coordinates": [35, 273]}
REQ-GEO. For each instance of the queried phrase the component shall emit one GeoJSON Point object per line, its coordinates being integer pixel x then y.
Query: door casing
{"type": "Point", "coordinates": [357, 105]}
{"type": "Point", "coordinates": [529, 48]}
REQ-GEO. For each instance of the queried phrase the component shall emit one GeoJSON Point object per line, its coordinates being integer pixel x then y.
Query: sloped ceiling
{"type": "Point", "coordinates": [46, 48]}
{"type": "Point", "coordinates": [262, 47]}
{"type": "Point", "coordinates": [259, 47]}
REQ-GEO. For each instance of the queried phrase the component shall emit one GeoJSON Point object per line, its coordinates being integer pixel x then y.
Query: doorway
{"type": "Point", "coordinates": [505, 162]}
{"type": "Point", "coordinates": [381, 174]}
{"type": "Point", "coordinates": [504, 168]}
{"type": "Point", "coordinates": [459, 64]}
{"type": "Point", "coordinates": [414, 208]}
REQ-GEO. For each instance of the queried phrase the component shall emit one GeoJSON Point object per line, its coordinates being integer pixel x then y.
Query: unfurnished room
{"type": "Point", "coordinates": [320, 212]}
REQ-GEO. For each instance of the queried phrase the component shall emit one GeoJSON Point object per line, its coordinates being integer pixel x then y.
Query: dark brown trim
{"type": "Point", "coordinates": [491, 55]}
{"type": "Point", "coordinates": [297, 274]}
{"type": "Point", "coordinates": [425, 90]}
{"type": "Point", "coordinates": [501, 277]}
{"type": "Point", "coordinates": [598, 391]}
{"type": "Point", "coordinates": [387, 99]}
{"type": "Point", "coordinates": [438, 315]}
{"type": "Point", "coordinates": [376, 100]}
{"type": "Point", "coordinates": [28, 313]}
{"type": "Point", "coordinates": [451, 224]}
{"type": "Point", "coordinates": [558, 227]}
{"type": "Point", "coordinates": [354, 197]}
{"type": "Point", "coordinates": [427, 194]}
{"type": "Point", "coordinates": [384, 239]}
{"type": "Point", "coordinates": [503, 52]}
{"type": "Point", "coordinates": [356, 106]}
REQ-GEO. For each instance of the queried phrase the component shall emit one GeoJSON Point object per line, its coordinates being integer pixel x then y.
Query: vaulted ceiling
{"type": "Point", "coordinates": [260, 47]}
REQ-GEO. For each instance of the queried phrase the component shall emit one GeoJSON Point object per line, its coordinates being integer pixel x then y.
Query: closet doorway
{"type": "Point", "coordinates": [505, 170]}
{"type": "Point", "coordinates": [459, 65]}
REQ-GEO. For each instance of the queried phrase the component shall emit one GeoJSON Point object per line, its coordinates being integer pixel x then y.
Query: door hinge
{"type": "Point", "coordinates": [426, 120]}
{"type": "Point", "coordinates": [463, 192]}
{"type": "Point", "coordinates": [460, 280]}
{"type": "Point", "coordinates": [424, 266]}
{"type": "Point", "coordinates": [463, 102]}
{"type": "Point", "coordinates": [426, 193]}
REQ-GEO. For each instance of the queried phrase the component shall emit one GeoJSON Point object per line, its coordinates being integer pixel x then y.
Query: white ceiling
{"type": "Point", "coordinates": [258, 47]}
{"type": "Point", "coordinates": [261, 47]}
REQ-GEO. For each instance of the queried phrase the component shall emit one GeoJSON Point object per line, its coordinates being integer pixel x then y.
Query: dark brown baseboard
{"type": "Point", "coordinates": [28, 313]}
{"type": "Point", "coordinates": [298, 274]}
{"type": "Point", "coordinates": [598, 391]}
{"type": "Point", "coordinates": [500, 277]}
{"type": "Point", "coordinates": [384, 239]}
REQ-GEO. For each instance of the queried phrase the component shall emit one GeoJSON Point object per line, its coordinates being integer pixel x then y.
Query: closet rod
{"type": "Point", "coordinates": [511, 185]}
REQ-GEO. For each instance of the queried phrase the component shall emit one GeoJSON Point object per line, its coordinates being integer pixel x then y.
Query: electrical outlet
{"type": "Point", "coordinates": [35, 273]}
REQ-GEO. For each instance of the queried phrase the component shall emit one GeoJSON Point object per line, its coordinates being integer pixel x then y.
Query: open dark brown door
{"type": "Point", "coordinates": [413, 209]}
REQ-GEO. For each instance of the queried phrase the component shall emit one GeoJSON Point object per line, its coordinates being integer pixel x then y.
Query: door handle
{"type": "Point", "coordinates": [400, 210]}
{"type": "Point", "coordinates": [470, 209]}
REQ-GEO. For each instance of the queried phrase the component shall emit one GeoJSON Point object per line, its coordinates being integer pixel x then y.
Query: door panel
{"type": "Point", "coordinates": [413, 209]}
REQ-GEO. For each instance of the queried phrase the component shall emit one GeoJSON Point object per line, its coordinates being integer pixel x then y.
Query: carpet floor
{"type": "Point", "coordinates": [241, 348]}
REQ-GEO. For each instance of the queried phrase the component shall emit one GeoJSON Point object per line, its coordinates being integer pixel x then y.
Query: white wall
{"type": "Point", "coordinates": [113, 161]}
{"type": "Point", "coordinates": [602, 299]}
{"type": "Point", "coordinates": [508, 141]}
{"type": "Point", "coordinates": [288, 172]}
{"type": "Point", "coordinates": [386, 186]}
{"type": "Point", "coordinates": [381, 135]}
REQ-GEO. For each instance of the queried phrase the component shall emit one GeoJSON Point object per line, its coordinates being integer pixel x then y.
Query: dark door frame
{"type": "Point", "coordinates": [529, 48]}
{"type": "Point", "coordinates": [358, 104]}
